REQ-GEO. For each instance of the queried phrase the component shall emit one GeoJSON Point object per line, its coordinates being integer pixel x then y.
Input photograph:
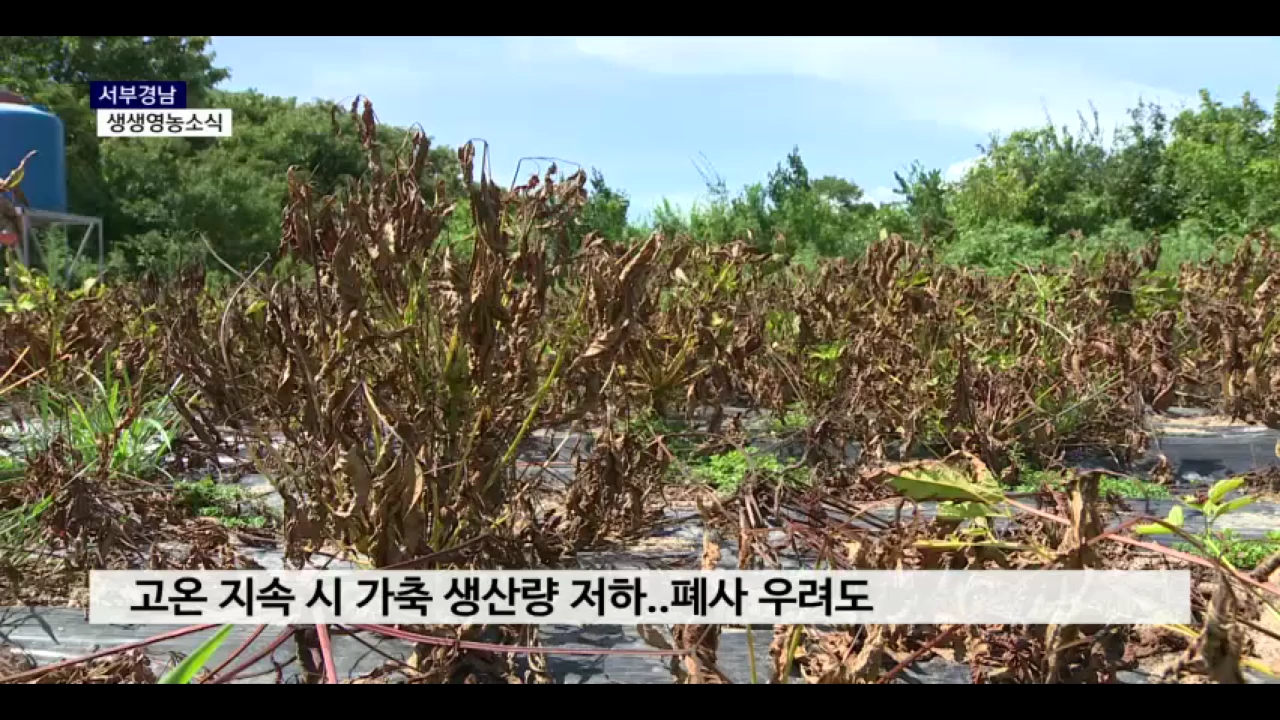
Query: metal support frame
{"type": "Point", "coordinates": [32, 219]}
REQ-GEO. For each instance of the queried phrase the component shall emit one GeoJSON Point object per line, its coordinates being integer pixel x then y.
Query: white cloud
{"type": "Point", "coordinates": [882, 195]}
{"type": "Point", "coordinates": [955, 171]}
{"type": "Point", "coordinates": [957, 82]}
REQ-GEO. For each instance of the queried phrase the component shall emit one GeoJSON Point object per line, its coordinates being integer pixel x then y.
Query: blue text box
{"type": "Point", "coordinates": [137, 94]}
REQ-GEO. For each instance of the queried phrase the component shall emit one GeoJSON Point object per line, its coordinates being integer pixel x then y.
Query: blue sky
{"type": "Point", "coordinates": [642, 109]}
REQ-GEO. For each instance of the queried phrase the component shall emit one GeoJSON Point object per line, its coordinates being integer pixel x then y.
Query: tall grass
{"type": "Point", "coordinates": [108, 419]}
{"type": "Point", "coordinates": [112, 429]}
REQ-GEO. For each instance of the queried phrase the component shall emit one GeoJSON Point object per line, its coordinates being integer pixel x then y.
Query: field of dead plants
{"type": "Point", "coordinates": [402, 398]}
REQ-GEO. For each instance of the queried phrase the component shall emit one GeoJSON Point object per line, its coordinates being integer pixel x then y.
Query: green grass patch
{"type": "Point", "coordinates": [1032, 480]}
{"type": "Point", "coordinates": [651, 425]}
{"type": "Point", "coordinates": [90, 416]}
{"type": "Point", "coordinates": [1241, 553]}
{"type": "Point", "coordinates": [1134, 488]}
{"type": "Point", "coordinates": [1126, 487]}
{"type": "Point", "coordinates": [19, 533]}
{"type": "Point", "coordinates": [230, 505]}
{"type": "Point", "coordinates": [19, 524]}
{"type": "Point", "coordinates": [727, 471]}
{"type": "Point", "coordinates": [11, 467]}
{"type": "Point", "coordinates": [794, 419]}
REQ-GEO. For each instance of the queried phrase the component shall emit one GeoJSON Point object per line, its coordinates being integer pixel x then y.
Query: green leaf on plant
{"type": "Point", "coordinates": [1223, 487]}
{"type": "Point", "coordinates": [187, 669]}
{"type": "Point", "coordinates": [941, 482]}
{"type": "Point", "coordinates": [1174, 518]}
{"type": "Point", "coordinates": [1237, 504]}
{"type": "Point", "coordinates": [964, 510]}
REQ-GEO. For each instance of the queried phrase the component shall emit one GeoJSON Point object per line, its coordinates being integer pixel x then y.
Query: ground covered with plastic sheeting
{"type": "Point", "coordinates": [50, 635]}
{"type": "Point", "coordinates": [1192, 459]}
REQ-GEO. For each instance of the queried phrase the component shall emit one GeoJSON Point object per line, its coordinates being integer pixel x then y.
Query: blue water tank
{"type": "Point", "coordinates": [24, 128]}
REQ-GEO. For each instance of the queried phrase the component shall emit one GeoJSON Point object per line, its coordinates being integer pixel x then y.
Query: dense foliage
{"type": "Point", "coordinates": [1039, 194]}
{"type": "Point", "coordinates": [162, 198]}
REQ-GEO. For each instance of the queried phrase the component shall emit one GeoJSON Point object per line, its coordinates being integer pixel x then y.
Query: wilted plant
{"type": "Point", "coordinates": [404, 379]}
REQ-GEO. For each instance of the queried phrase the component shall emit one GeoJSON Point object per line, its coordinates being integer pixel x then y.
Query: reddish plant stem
{"type": "Point", "coordinates": [889, 676]}
{"type": "Point", "coordinates": [1154, 547]}
{"type": "Point", "coordinates": [234, 672]}
{"type": "Point", "coordinates": [37, 672]}
{"type": "Point", "coordinates": [239, 651]}
{"type": "Point", "coordinates": [1038, 513]}
{"type": "Point", "coordinates": [1119, 529]}
{"type": "Point", "coordinates": [326, 652]}
{"type": "Point", "coordinates": [499, 648]}
{"type": "Point", "coordinates": [355, 635]}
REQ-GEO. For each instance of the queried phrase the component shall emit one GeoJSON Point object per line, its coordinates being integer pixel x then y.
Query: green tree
{"type": "Point", "coordinates": [843, 195]}
{"type": "Point", "coordinates": [926, 196]}
{"type": "Point", "coordinates": [162, 197]}
{"type": "Point", "coordinates": [1224, 164]}
{"type": "Point", "coordinates": [824, 216]}
{"type": "Point", "coordinates": [1044, 178]}
{"type": "Point", "coordinates": [606, 210]}
{"type": "Point", "coordinates": [56, 70]}
{"type": "Point", "coordinates": [1138, 180]}
{"type": "Point", "coordinates": [790, 177]}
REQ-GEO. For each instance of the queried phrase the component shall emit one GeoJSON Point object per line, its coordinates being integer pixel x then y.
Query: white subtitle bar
{"type": "Point", "coordinates": [179, 122]}
{"type": "Point", "coordinates": [261, 597]}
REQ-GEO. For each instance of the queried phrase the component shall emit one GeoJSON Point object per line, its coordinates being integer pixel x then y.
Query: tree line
{"type": "Point", "coordinates": [1037, 195]}
{"type": "Point", "coordinates": [1206, 174]}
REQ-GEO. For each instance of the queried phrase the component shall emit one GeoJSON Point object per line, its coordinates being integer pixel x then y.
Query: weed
{"type": "Point", "coordinates": [112, 422]}
{"type": "Point", "coordinates": [11, 467]}
{"type": "Point", "coordinates": [19, 529]}
{"type": "Point", "coordinates": [1033, 480]}
{"type": "Point", "coordinates": [1239, 552]}
{"type": "Point", "coordinates": [1132, 487]}
{"type": "Point", "coordinates": [825, 366]}
{"type": "Point", "coordinates": [795, 418]}
{"type": "Point", "coordinates": [230, 505]}
{"type": "Point", "coordinates": [1124, 487]}
{"type": "Point", "coordinates": [650, 423]}
{"type": "Point", "coordinates": [727, 471]}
